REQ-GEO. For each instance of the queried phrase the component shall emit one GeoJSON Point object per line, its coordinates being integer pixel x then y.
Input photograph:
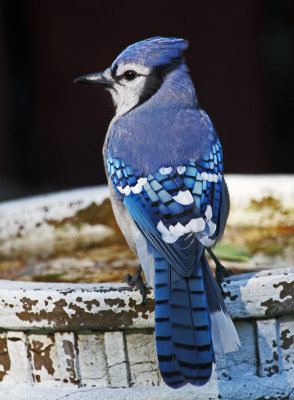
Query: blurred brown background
{"type": "Point", "coordinates": [241, 58]}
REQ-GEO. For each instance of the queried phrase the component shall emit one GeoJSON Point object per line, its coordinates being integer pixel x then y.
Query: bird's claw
{"type": "Point", "coordinates": [221, 272]}
{"type": "Point", "coordinates": [137, 282]}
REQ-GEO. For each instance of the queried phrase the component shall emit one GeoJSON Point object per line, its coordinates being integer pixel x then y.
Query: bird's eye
{"type": "Point", "coordinates": [130, 75]}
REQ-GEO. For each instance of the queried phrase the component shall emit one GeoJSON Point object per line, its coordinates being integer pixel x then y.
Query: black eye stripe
{"type": "Point", "coordinates": [155, 79]}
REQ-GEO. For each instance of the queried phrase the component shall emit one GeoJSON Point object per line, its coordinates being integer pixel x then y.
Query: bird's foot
{"type": "Point", "coordinates": [137, 281]}
{"type": "Point", "coordinates": [220, 271]}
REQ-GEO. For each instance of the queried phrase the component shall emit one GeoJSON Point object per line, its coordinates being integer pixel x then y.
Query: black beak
{"type": "Point", "coordinates": [96, 79]}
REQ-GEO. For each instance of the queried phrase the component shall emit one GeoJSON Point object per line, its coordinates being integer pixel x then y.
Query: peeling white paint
{"type": "Point", "coordinates": [124, 357]}
{"type": "Point", "coordinates": [268, 351]}
{"type": "Point", "coordinates": [92, 360]}
{"type": "Point", "coordinates": [44, 361]}
{"type": "Point", "coordinates": [25, 225]}
{"type": "Point", "coordinates": [67, 357]}
{"type": "Point", "coordinates": [32, 210]}
{"type": "Point", "coordinates": [142, 359]}
{"type": "Point", "coordinates": [116, 359]}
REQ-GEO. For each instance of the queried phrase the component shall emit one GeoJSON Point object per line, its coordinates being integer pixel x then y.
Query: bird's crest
{"type": "Point", "coordinates": [153, 52]}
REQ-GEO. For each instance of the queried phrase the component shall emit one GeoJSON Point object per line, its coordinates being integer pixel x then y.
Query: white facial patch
{"type": "Point", "coordinates": [126, 94]}
{"type": "Point", "coordinates": [107, 74]}
{"type": "Point", "coordinates": [139, 69]}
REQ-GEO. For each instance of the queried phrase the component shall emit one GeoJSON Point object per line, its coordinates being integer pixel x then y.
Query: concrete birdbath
{"type": "Point", "coordinates": [67, 333]}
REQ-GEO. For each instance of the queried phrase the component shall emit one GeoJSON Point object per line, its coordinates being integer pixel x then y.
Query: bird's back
{"type": "Point", "coordinates": [165, 136]}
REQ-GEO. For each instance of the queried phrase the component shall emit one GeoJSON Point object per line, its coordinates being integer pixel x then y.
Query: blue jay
{"type": "Point", "coordinates": [164, 165]}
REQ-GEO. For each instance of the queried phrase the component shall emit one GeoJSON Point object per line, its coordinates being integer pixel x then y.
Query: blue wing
{"type": "Point", "coordinates": [176, 208]}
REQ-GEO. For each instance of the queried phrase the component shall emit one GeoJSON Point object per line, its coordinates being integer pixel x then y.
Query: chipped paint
{"type": "Point", "coordinates": [142, 358]}
{"type": "Point", "coordinates": [30, 213]}
{"type": "Point", "coordinates": [45, 224]}
{"type": "Point", "coordinates": [228, 294]}
{"type": "Point", "coordinates": [67, 314]}
{"type": "Point", "coordinates": [41, 355]}
{"type": "Point", "coordinates": [115, 302]}
{"type": "Point", "coordinates": [28, 303]}
{"type": "Point", "coordinates": [260, 295]}
{"type": "Point", "coordinates": [69, 350]}
{"type": "Point", "coordinates": [288, 289]}
{"type": "Point", "coordinates": [59, 237]}
{"type": "Point", "coordinates": [286, 339]}
{"type": "Point", "coordinates": [274, 369]}
{"type": "Point", "coordinates": [76, 354]}
{"type": "Point", "coordinates": [73, 307]}
{"type": "Point", "coordinates": [20, 369]}
{"type": "Point", "coordinates": [67, 357]}
{"type": "Point", "coordinates": [5, 363]}
{"type": "Point", "coordinates": [91, 304]}
{"type": "Point", "coordinates": [275, 306]}
{"type": "Point", "coordinates": [116, 356]}
{"type": "Point", "coordinates": [286, 345]}
{"type": "Point", "coordinates": [92, 360]}
{"type": "Point", "coordinates": [269, 363]}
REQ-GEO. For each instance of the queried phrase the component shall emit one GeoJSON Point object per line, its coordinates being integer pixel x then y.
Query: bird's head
{"type": "Point", "coordinates": [139, 71]}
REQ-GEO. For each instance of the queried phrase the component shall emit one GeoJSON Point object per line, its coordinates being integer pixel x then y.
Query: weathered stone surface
{"type": "Point", "coordinates": [71, 236]}
{"type": "Point", "coordinates": [26, 224]}
{"type": "Point", "coordinates": [63, 347]}
{"type": "Point", "coordinates": [242, 362]}
{"type": "Point", "coordinates": [92, 360]}
{"type": "Point", "coordinates": [271, 388]}
{"type": "Point", "coordinates": [5, 363]}
{"type": "Point", "coordinates": [142, 359]}
{"type": "Point", "coordinates": [258, 295]}
{"type": "Point", "coordinates": [20, 369]}
{"type": "Point", "coordinates": [76, 307]}
{"type": "Point", "coordinates": [61, 352]}
{"type": "Point", "coordinates": [116, 359]}
{"type": "Point", "coordinates": [268, 351]}
{"type": "Point", "coordinates": [286, 328]}
{"type": "Point", "coordinates": [67, 357]}
{"type": "Point", "coordinates": [44, 360]}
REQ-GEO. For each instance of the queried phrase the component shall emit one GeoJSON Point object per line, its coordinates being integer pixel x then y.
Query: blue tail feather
{"type": "Point", "coordinates": [182, 326]}
{"type": "Point", "coordinates": [168, 366]}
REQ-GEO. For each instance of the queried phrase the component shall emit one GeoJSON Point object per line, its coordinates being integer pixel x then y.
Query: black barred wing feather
{"type": "Point", "coordinates": [176, 208]}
